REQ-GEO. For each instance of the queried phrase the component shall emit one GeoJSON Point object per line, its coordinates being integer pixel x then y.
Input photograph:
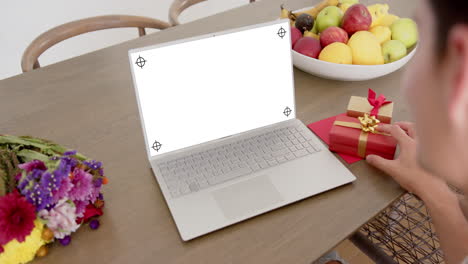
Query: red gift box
{"type": "Point", "coordinates": [347, 136]}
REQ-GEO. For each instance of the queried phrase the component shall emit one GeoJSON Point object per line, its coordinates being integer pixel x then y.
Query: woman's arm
{"type": "Point", "coordinates": [449, 221]}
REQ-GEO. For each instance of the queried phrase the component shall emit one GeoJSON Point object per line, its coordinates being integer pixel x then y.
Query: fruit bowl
{"type": "Point", "coordinates": [323, 34]}
{"type": "Point", "coordinates": [343, 72]}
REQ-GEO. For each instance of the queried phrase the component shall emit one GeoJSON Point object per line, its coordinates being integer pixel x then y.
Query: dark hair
{"type": "Point", "coordinates": [448, 14]}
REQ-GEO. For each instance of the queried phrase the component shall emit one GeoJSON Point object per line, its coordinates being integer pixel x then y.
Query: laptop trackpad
{"type": "Point", "coordinates": [247, 197]}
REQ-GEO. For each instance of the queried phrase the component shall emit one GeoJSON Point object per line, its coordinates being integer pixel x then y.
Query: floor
{"type": "Point", "coordinates": [403, 230]}
{"type": "Point", "coordinates": [20, 25]}
{"type": "Point", "coordinates": [352, 254]}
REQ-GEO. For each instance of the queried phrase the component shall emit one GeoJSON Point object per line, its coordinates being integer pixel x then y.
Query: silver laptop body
{"type": "Point", "coordinates": [221, 135]}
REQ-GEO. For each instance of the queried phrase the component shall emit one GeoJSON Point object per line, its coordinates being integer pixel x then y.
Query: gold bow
{"type": "Point", "coordinates": [369, 123]}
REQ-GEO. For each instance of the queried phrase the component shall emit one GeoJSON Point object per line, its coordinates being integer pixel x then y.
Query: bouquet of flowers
{"type": "Point", "coordinates": [46, 193]}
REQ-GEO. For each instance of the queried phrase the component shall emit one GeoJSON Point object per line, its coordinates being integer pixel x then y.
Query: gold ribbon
{"type": "Point", "coordinates": [367, 124]}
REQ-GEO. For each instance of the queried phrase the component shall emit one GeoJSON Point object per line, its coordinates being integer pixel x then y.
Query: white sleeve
{"type": "Point", "coordinates": [465, 261]}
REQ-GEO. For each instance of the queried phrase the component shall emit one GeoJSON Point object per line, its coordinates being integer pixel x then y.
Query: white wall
{"type": "Point", "coordinates": [21, 21]}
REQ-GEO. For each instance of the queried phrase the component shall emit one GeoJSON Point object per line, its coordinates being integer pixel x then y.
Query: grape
{"type": "Point", "coordinates": [304, 22]}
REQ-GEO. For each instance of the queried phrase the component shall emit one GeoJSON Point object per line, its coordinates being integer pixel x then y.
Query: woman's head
{"type": "Point", "coordinates": [436, 85]}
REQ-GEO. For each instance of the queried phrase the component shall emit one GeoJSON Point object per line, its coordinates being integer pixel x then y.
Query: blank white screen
{"type": "Point", "coordinates": [198, 91]}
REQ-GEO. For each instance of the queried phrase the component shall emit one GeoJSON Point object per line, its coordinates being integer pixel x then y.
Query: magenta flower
{"type": "Point", "coordinates": [82, 185]}
{"type": "Point", "coordinates": [34, 164]}
{"type": "Point", "coordinates": [16, 218]}
{"type": "Point", "coordinates": [80, 207]}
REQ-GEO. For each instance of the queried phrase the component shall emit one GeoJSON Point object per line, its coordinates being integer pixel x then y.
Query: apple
{"type": "Point", "coordinates": [295, 35]}
{"type": "Point", "coordinates": [357, 18]}
{"type": "Point", "coordinates": [393, 50]}
{"type": "Point", "coordinates": [329, 17]}
{"type": "Point", "coordinates": [406, 31]}
{"type": "Point", "coordinates": [308, 46]}
{"type": "Point", "coordinates": [333, 34]}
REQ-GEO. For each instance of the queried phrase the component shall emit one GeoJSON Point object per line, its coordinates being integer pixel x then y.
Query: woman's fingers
{"type": "Point", "coordinates": [396, 132]}
{"type": "Point", "coordinates": [384, 128]}
{"type": "Point", "coordinates": [408, 127]}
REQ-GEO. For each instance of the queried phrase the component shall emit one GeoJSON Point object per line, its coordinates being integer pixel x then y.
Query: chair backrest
{"type": "Point", "coordinates": [55, 35]}
{"type": "Point", "coordinates": [178, 6]}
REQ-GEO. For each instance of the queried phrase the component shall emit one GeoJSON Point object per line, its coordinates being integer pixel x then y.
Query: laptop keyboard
{"type": "Point", "coordinates": [192, 173]}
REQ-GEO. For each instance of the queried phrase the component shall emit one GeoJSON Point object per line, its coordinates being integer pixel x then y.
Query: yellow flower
{"type": "Point", "coordinates": [19, 253]}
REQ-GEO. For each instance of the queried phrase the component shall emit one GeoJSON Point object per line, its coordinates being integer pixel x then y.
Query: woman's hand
{"type": "Point", "coordinates": [404, 169]}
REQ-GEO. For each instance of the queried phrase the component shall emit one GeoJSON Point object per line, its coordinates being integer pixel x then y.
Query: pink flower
{"type": "Point", "coordinates": [82, 185]}
{"type": "Point", "coordinates": [16, 218]}
{"type": "Point", "coordinates": [63, 190]}
{"type": "Point", "coordinates": [61, 219]}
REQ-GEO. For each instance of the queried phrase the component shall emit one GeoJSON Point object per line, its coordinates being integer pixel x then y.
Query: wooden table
{"type": "Point", "coordinates": [89, 103]}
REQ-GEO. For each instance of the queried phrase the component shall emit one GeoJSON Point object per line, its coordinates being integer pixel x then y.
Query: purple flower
{"type": "Point", "coordinates": [50, 182]}
{"type": "Point", "coordinates": [94, 224]}
{"type": "Point", "coordinates": [69, 162]}
{"type": "Point", "coordinates": [97, 183]}
{"type": "Point", "coordinates": [92, 164]}
{"type": "Point", "coordinates": [69, 153]}
{"type": "Point", "coordinates": [39, 196]}
{"type": "Point", "coordinates": [82, 185]}
{"type": "Point", "coordinates": [65, 241]}
{"type": "Point", "coordinates": [64, 168]}
{"type": "Point", "coordinates": [37, 187]}
{"type": "Point", "coordinates": [30, 166]}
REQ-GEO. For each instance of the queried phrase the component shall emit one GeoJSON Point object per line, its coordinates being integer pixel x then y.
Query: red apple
{"type": "Point", "coordinates": [333, 34]}
{"type": "Point", "coordinates": [308, 46]}
{"type": "Point", "coordinates": [295, 35]}
{"type": "Point", "coordinates": [357, 18]}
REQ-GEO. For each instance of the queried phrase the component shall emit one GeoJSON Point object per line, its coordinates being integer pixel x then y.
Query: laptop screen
{"type": "Point", "coordinates": [195, 91]}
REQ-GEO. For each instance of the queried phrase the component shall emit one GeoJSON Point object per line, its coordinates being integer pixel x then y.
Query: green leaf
{"type": "Point", "coordinates": [8, 170]}
{"type": "Point", "coordinates": [13, 140]}
{"type": "Point", "coordinates": [3, 183]}
{"type": "Point", "coordinates": [29, 155]}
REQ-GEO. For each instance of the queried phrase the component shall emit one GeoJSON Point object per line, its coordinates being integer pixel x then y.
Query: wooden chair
{"type": "Point", "coordinates": [178, 6]}
{"type": "Point", "coordinates": [53, 36]}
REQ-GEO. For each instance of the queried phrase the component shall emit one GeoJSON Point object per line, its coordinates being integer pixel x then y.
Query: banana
{"type": "Point", "coordinates": [285, 13]}
{"type": "Point", "coordinates": [345, 4]}
{"type": "Point", "coordinates": [378, 11]}
{"type": "Point", "coordinates": [316, 9]}
{"type": "Point", "coordinates": [344, 7]}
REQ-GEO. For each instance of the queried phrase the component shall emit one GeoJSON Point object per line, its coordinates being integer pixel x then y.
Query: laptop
{"type": "Point", "coordinates": [218, 115]}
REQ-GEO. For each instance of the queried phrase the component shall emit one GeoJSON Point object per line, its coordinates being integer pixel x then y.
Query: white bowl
{"type": "Point", "coordinates": [346, 72]}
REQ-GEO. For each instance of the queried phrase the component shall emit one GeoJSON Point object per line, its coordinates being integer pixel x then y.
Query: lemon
{"type": "Point", "coordinates": [382, 33]}
{"type": "Point", "coordinates": [311, 34]}
{"type": "Point", "coordinates": [388, 20]}
{"type": "Point", "coordinates": [337, 53]}
{"type": "Point", "coordinates": [366, 49]}
{"type": "Point", "coordinates": [378, 12]}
